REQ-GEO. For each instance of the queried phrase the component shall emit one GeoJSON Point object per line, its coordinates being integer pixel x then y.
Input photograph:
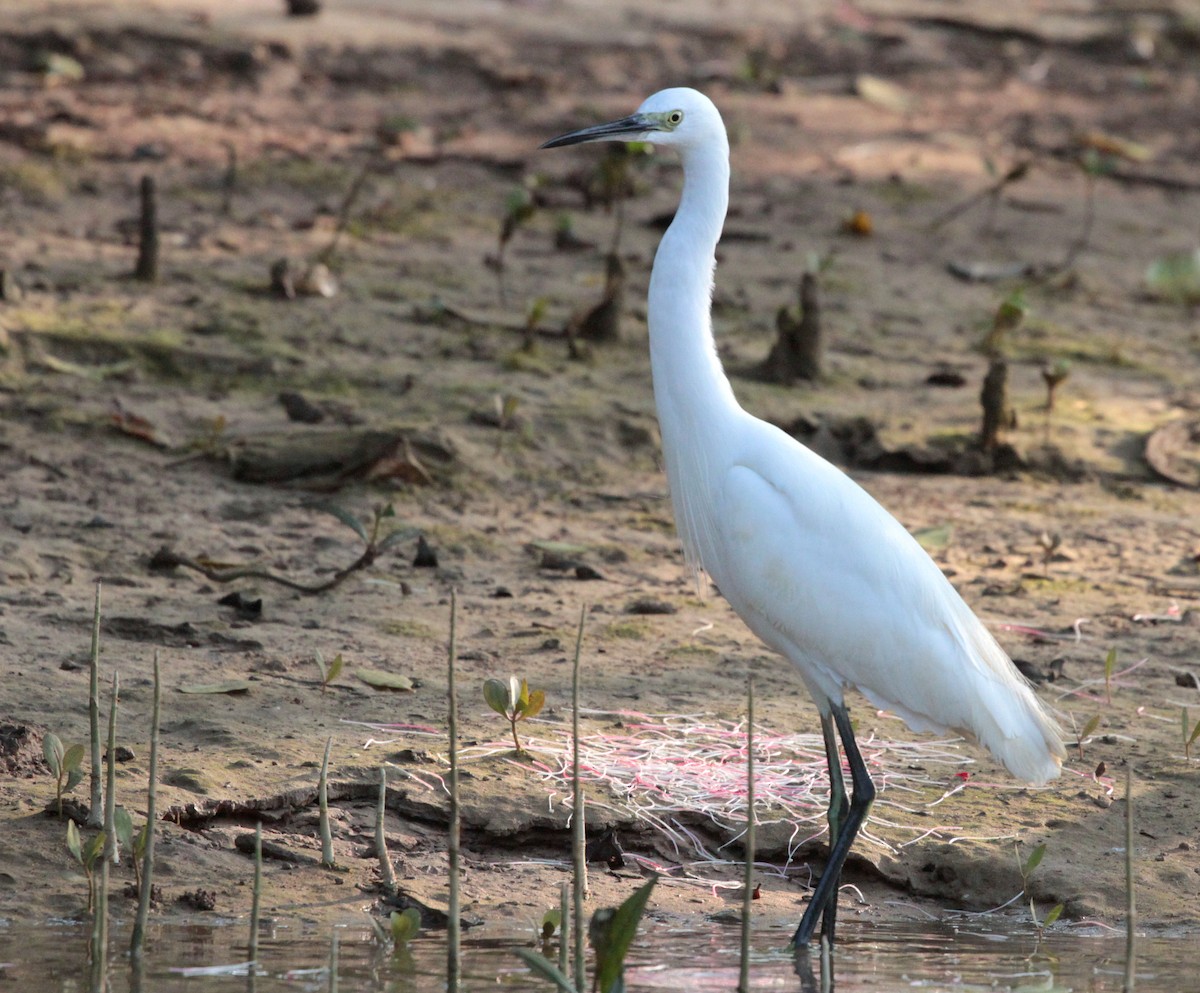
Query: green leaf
{"type": "Point", "coordinates": [534, 703]}
{"type": "Point", "coordinates": [406, 925]}
{"type": "Point", "coordinates": [935, 538]}
{"type": "Point", "coordinates": [377, 679]}
{"type": "Point", "coordinates": [347, 518]}
{"type": "Point", "coordinates": [1110, 663]}
{"type": "Point", "coordinates": [1195, 734]}
{"type": "Point", "coordinates": [73, 843]}
{"type": "Point", "coordinates": [387, 511]}
{"type": "Point", "coordinates": [228, 686]}
{"type": "Point", "coordinates": [52, 749]}
{"type": "Point", "coordinates": [74, 778]}
{"type": "Point", "coordinates": [123, 825]}
{"type": "Point", "coordinates": [1175, 277]}
{"type": "Point", "coordinates": [94, 850]}
{"type": "Point", "coordinates": [139, 843]}
{"type": "Point", "coordinates": [541, 964]}
{"type": "Point", "coordinates": [563, 548]}
{"type": "Point", "coordinates": [551, 922]}
{"type": "Point", "coordinates": [335, 668]}
{"type": "Point", "coordinates": [1055, 913]}
{"type": "Point", "coordinates": [1090, 726]}
{"type": "Point", "coordinates": [73, 759]}
{"type": "Point", "coordinates": [1034, 860]}
{"type": "Point", "coordinates": [619, 936]}
{"type": "Point", "coordinates": [495, 695]}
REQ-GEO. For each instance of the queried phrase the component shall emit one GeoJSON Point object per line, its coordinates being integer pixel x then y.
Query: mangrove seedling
{"type": "Point", "coordinates": [513, 700]}
{"type": "Point", "coordinates": [1087, 731]}
{"type": "Point", "coordinates": [87, 856]}
{"type": "Point", "coordinates": [330, 671]}
{"type": "Point", "coordinates": [551, 920]}
{"type": "Point", "coordinates": [1049, 544]}
{"type": "Point", "coordinates": [519, 207]}
{"type": "Point", "coordinates": [612, 932]}
{"type": "Point", "coordinates": [1189, 739]}
{"type": "Point", "coordinates": [135, 844]}
{"type": "Point", "coordinates": [66, 765]}
{"type": "Point", "coordinates": [1009, 316]}
{"type": "Point", "coordinates": [1110, 663]}
{"type": "Point", "coordinates": [1026, 868]}
{"type": "Point", "coordinates": [1054, 376]}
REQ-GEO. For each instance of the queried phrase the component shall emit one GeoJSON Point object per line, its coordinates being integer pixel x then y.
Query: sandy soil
{"type": "Point", "coordinates": [128, 409]}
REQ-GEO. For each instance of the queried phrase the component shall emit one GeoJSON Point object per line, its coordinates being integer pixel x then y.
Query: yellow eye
{"type": "Point", "coordinates": [675, 118]}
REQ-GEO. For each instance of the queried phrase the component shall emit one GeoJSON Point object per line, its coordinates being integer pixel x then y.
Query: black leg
{"type": "Point", "coordinates": [860, 803]}
{"type": "Point", "coordinates": [839, 806]}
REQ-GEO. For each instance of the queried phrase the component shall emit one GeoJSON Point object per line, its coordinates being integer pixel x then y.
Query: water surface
{"type": "Point", "coordinates": [974, 953]}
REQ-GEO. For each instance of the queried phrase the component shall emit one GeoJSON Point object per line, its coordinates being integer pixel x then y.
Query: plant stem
{"type": "Point", "coordinates": [453, 924]}
{"type": "Point", "coordinates": [95, 814]}
{"type": "Point", "coordinates": [387, 874]}
{"type": "Point", "coordinates": [112, 851]}
{"type": "Point", "coordinates": [577, 826]}
{"type": "Point", "coordinates": [256, 897]}
{"type": "Point", "coordinates": [333, 963]}
{"type": "Point", "coordinates": [323, 806]}
{"type": "Point", "coordinates": [516, 740]}
{"type": "Point", "coordinates": [1130, 909]}
{"type": "Point", "coordinates": [564, 929]}
{"type": "Point", "coordinates": [146, 886]}
{"type": "Point", "coordinates": [748, 895]}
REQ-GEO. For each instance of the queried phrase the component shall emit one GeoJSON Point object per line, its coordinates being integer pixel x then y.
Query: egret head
{"type": "Point", "coordinates": [680, 117]}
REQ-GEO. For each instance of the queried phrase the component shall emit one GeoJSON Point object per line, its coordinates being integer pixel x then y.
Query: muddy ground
{"type": "Point", "coordinates": [137, 416]}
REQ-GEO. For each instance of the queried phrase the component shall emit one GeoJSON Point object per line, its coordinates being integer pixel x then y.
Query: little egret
{"type": "Point", "coordinates": [806, 557]}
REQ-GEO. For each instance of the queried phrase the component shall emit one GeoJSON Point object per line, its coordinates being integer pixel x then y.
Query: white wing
{"type": "Point", "coordinates": [826, 576]}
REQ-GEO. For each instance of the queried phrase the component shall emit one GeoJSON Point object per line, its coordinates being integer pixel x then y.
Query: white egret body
{"type": "Point", "coordinates": [806, 557]}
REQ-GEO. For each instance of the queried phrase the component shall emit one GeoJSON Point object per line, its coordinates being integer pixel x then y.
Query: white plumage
{"type": "Point", "coordinates": [806, 557]}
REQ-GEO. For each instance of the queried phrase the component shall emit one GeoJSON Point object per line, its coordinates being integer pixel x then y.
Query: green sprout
{"type": "Point", "coordinates": [1054, 376]}
{"type": "Point", "coordinates": [1188, 738]}
{"type": "Point", "coordinates": [1009, 316]}
{"type": "Point", "coordinates": [1026, 869]}
{"type": "Point", "coordinates": [66, 765]}
{"type": "Point", "coordinates": [513, 700]}
{"type": "Point", "coordinates": [551, 921]}
{"type": "Point", "coordinates": [1110, 663]}
{"type": "Point", "coordinates": [1088, 728]}
{"type": "Point", "coordinates": [612, 932]}
{"type": "Point", "coordinates": [135, 844]}
{"type": "Point", "coordinates": [330, 671]}
{"type": "Point", "coordinates": [86, 857]}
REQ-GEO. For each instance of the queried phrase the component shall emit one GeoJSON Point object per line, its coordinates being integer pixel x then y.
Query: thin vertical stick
{"type": "Point", "coordinates": [578, 855]}
{"type": "Point", "coordinates": [564, 929]}
{"type": "Point", "coordinates": [96, 813]}
{"type": "Point", "coordinates": [333, 963]}
{"type": "Point", "coordinates": [256, 897]}
{"type": "Point", "coordinates": [387, 874]}
{"type": "Point", "coordinates": [453, 924]}
{"type": "Point", "coordinates": [1130, 909]}
{"type": "Point", "coordinates": [147, 260]}
{"type": "Point", "coordinates": [323, 808]}
{"type": "Point", "coordinates": [112, 850]}
{"type": "Point", "coordinates": [137, 938]}
{"type": "Point", "coordinates": [748, 895]}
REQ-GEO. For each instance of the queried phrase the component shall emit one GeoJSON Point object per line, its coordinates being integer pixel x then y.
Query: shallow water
{"type": "Point", "coordinates": [972, 954]}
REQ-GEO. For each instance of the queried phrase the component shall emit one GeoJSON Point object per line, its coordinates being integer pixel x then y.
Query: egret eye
{"type": "Point", "coordinates": [675, 118]}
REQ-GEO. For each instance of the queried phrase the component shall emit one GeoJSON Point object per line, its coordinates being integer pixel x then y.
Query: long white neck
{"type": "Point", "coordinates": [691, 392]}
